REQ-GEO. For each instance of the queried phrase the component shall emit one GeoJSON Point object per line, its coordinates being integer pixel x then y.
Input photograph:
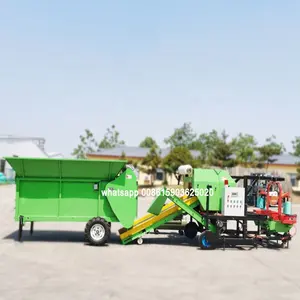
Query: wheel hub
{"type": "Point", "coordinates": [97, 232]}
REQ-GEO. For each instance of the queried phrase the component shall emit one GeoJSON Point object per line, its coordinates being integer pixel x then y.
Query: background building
{"type": "Point", "coordinates": [285, 164]}
{"type": "Point", "coordinates": [20, 146]}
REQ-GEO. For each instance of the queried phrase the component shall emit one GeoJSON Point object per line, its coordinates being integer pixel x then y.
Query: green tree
{"type": "Point", "coordinates": [268, 151]}
{"type": "Point", "coordinates": [111, 138]}
{"type": "Point", "coordinates": [296, 146]}
{"type": "Point", "coordinates": [151, 162]}
{"type": "Point", "coordinates": [215, 149]}
{"type": "Point", "coordinates": [123, 155]}
{"type": "Point", "coordinates": [133, 162]}
{"type": "Point", "coordinates": [178, 156]}
{"type": "Point", "coordinates": [148, 142]}
{"type": "Point", "coordinates": [183, 136]}
{"type": "Point", "coordinates": [244, 146]}
{"type": "Point", "coordinates": [205, 144]}
{"type": "Point", "coordinates": [87, 144]}
{"type": "Point", "coordinates": [129, 160]}
{"type": "Point", "coordinates": [296, 152]}
{"type": "Point", "coordinates": [222, 151]}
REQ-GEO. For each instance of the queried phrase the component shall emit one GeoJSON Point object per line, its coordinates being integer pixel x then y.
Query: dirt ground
{"type": "Point", "coordinates": [56, 264]}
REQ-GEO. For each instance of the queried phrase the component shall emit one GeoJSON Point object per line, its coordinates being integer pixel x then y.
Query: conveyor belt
{"type": "Point", "coordinates": [149, 222]}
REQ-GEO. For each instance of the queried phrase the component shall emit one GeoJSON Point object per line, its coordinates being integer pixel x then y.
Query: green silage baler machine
{"type": "Point", "coordinates": [99, 192]}
{"type": "Point", "coordinates": [222, 217]}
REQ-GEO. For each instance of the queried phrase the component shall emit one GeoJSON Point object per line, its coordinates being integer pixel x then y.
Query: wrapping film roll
{"type": "Point", "coordinates": [185, 170]}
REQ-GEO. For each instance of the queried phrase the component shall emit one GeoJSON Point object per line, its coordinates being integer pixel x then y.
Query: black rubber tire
{"type": "Point", "coordinates": [87, 232]}
{"type": "Point", "coordinates": [190, 230]}
{"type": "Point", "coordinates": [204, 245]}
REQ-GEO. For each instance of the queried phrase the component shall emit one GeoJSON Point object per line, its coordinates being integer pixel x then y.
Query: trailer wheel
{"type": "Point", "coordinates": [203, 240]}
{"type": "Point", "coordinates": [191, 229]}
{"type": "Point", "coordinates": [139, 241]}
{"type": "Point", "coordinates": [97, 231]}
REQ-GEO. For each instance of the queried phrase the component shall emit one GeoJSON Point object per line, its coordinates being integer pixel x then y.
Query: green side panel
{"type": "Point", "coordinates": [40, 199]}
{"type": "Point", "coordinates": [122, 194]}
{"type": "Point", "coordinates": [78, 199]}
{"type": "Point", "coordinates": [276, 226]}
{"type": "Point", "coordinates": [215, 178]}
{"type": "Point", "coordinates": [66, 168]}
{"type": "Point", "coordinates": [63, 200]}
{"type": "Point", "coordinates": [104, 208]}
{"type": "Point", "coordinates": [63, 189]}
{"type": "Point", "coordinates": [157, 205]}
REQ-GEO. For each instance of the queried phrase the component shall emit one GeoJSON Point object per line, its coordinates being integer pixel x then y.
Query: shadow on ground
{"type": "Point", "coordinates": [48, 236]}
{"type": "Point", "coordinates": [59, 236]}
{"type": "Point", "coordinates": [65, 236]}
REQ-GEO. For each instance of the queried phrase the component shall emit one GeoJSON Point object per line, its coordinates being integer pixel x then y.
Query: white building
{"type": "Point", "coordinates": [21, 146]}
{"type": "Point", "coordinates": [55, 155]}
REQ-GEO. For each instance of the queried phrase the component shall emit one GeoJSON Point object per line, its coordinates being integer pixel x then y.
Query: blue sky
{"type": "Point", "coordinates": [148, 67]}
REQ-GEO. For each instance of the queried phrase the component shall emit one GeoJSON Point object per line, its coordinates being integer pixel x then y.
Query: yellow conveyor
{"type": "Point", "coordinates": [148, 222]}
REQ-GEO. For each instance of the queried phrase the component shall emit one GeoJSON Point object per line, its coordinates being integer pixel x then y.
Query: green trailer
{"type": "Point", "coordinates": [97, 192]}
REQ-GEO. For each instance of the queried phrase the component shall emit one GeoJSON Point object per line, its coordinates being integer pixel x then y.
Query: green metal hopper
{"type": "Point", "coordinates": [74, 190]}
{"type": "Point", "coordinates": [65, 168]}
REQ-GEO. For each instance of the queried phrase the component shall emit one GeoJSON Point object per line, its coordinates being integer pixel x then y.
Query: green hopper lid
{"type": "Point", "coordinates": [66, 168]}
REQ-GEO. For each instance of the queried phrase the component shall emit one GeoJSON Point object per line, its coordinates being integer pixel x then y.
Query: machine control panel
{"type": "Point", "coordinates": [233, 202]}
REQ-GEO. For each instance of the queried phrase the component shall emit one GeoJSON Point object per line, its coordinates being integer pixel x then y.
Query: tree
{"type": "Point", "coordinates": [133, 162]}
{"type": "Point", "coordinates": [148, 142]}
{"type": "Point", "coordinates": [178, 156]}
{"type": "Point", "coordinates": [215, 149]}
{"type": "Point", "coordinates": [269, 150]}
{"type": "Point", "coordinates": [87, 144]}
{"type": "Point", "coordinates": [296, 152]}
{"type": "Point", "coordinates": [123, 155]}
{"type": "Point", "coordinates": [151, 162]}
{"type": "Point", "coordinates": [205, 144]}
{"type": "Point", "coordinates": [129, 161]}
{"type": "Point", "coordinates": [222, 151]}
{"type": "Point", "coordinates": [296, 146]}
{"type": "Point", "coordinates": [183, 136]}
{"type": "Point", "coordinates": [111, 138]}
{"type": "Point", "coordinates": [244, 146]}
